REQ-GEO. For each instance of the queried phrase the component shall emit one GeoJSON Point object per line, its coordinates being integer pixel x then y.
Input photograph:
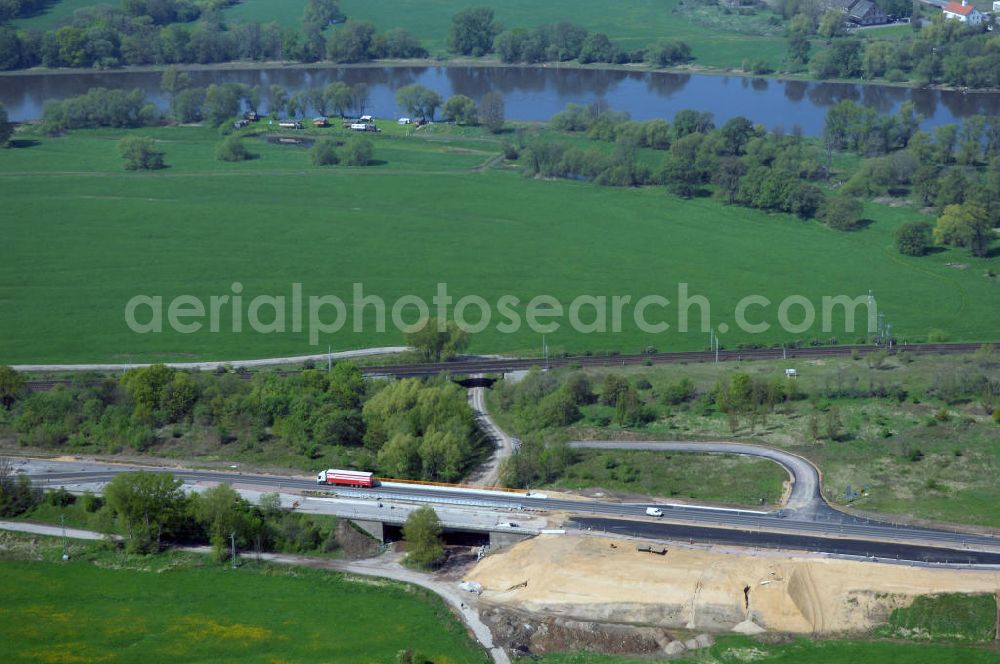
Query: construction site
{"type": "Point", "coordinates": [617, 595]}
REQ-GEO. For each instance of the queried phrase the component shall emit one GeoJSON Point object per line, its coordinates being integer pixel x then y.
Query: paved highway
{"type": "Point", "coordinates": [860, 548]}
{"type": "Point", "coordinates": [766, 527]}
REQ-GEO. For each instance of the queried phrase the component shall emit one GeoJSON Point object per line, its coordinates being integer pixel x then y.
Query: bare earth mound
{"type": "Point", "coordinates": [608, 580]}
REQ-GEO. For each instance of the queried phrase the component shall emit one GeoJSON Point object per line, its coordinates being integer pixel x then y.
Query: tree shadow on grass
{"type": "Point", "coordinates": [21, 143]}
{"type": "Point", "coordinates": [862, 224]}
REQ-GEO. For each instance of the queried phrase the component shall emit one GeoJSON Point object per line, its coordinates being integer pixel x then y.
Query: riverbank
{"type": "Point", "coordinates": [491, 63]}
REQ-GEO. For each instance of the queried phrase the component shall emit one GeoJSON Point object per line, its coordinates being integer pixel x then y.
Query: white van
{"type": "Point", "coordinates": [654, 511]}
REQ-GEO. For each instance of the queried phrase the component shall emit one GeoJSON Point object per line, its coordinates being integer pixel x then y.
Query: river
{"type": "Point", "coordinates": [536, 93]}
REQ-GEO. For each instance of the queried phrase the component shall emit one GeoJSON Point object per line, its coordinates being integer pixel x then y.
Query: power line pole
{"type": "Point", "coordinates": [232, 539]}
{"type": "Point", "coordinates": [62, 522]}
{"type": "Point", "coordinates": [329, 359]}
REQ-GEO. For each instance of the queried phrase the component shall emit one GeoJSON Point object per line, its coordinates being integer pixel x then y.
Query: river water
{"type": "Point", "coordinates": [536, 93]}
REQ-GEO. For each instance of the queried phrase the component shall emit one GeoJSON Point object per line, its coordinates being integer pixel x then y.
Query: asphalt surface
{"type": "Point", "coordinates": [883, 551]}
{"type": "Point", "coordinates": [768, 529]}
{"type": "Point", "coordinates": [504, 444]}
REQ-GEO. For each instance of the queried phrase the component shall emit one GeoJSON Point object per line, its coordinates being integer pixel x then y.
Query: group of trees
{"type": "Point", "coordinates": [217, 104]}
{"type": "Point", "coordinates": [422, 430]}
{"type": "Point", "coordinates": [100, 107]}
{"type": "Point", "coordinates": [945, 51]}
{"type": "Point", "coordinates": [356, 151]}
{"type": "Point", "coordinates": [153, 509]}
{"type": "Point", "coordinates": [954, 169]}
{"type": "Point", "coordinates": [17, 495]}
{"type": "Point", "coordinates": [420, 101]}
{"type": "Point", "coordinates": [156, 32]}
{"type": "Point", "coordinates": [427, 427]}
{"type": "Point", "coordinates": [437, 340]}
{"type": "Point", "coordinates": [747, 165]}
{"type": "Point", "coordinates": [560, 42]}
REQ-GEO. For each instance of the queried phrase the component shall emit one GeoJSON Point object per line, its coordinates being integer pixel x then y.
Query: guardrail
{"type": "Point", "coordinates": [468, 502]}
{"type": "Point", "coordinates": [446, 485]}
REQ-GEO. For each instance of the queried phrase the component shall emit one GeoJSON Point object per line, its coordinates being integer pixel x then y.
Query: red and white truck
{"type": "Point", "coordinates": [354, 478]}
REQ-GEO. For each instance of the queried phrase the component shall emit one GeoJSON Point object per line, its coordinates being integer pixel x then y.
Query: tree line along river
{"type": "Point", "coordinates": [536, 93]}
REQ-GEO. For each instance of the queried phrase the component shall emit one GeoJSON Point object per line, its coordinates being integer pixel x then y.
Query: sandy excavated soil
{"type": "Point", "coordinates": [608, 580]}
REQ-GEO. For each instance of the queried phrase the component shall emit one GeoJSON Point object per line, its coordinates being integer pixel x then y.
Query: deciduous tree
{"type": "Point", "coordinates": [491, 111]}
{"type": "Point", "coordinates": [472, 31]}
{"type": "Point", "coordinates": [422, 533]}
{"type": "Point", "coordinates": [965, 225]}
{"type": "Point", "coordinates": [148, 503]}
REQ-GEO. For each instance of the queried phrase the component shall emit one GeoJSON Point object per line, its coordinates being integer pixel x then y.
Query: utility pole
{"type": "Point", "coordinates": [545, 352]}
{"type": "Point", "coordinates": [232, 539]}
{"type": "Point", "coordinates": [871, 303]}
{"type": "Point", "coordinates": [329, 359]}
{"type": "Point", "coordinates": [62, 522]}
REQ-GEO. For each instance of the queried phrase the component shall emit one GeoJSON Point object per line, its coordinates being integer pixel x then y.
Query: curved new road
{"type": "Point", "coordinates": [804, 499]}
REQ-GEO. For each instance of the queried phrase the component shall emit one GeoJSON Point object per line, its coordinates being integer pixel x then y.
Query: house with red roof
{"type": "Point", "coordinates": [963, 12]}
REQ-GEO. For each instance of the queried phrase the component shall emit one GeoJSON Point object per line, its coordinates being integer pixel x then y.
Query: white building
{"type": "Point", "coordinates": [964, 12]}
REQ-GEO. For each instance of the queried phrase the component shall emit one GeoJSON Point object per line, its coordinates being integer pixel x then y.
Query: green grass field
{"type": "Point", "coordinates": [58, 11]}
{"type": "Point", "coordinates": [949, 617]}
{"type": "Point", "coordinates": [714, 42]}
{"type": "Point", "coordinates": [726, 479]}
{"type": "Point", "coordinates": [82, 237]}
{"type": "Point", "coordinates": [182, 607]}
{"type": "Point", "coordinates": [717, 39]}
{"type": "Point", "coordinates": [747, 649]}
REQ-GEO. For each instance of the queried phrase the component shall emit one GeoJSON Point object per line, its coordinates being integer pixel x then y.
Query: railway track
{"type": "Point", "coordinates": [507, 365]}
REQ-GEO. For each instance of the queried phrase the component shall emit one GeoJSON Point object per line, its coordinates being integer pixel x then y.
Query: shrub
{"type": "Point", "coordinates": [937, 336]}
{"type": "Point", "coordinates": [140, 153]}
{"type": "Point", "coordinates": [232, 149]}
{"type": "Point", "coordinates": [358, 151]}
{"type": "Point", "coordinates": [91, 502]}
{"type": "Point", "coordinates": [60, 498]}
{"type": "Point", "coordinates": [842, 213]}
{"type": "Point", "coordinates": [996, 415]}
{"type": "Point", "coordinates": [914, 238]}
{"type": "Point", "coordinates": [324, 152]}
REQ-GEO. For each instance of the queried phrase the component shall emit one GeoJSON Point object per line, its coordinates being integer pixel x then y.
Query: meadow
{"type": "Point", "coordinates": [83, 237]}
{"type": "Point", "coordinates": [748, 649]}
{"type": "Point", "coordinates": [717, 38]}
{"type": "Point", "coordinates": [926, 450]}
{"type": "Point", "coordinates": [103, 606]}
{"type": "Point", "coordinates": [720, 479]}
